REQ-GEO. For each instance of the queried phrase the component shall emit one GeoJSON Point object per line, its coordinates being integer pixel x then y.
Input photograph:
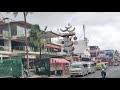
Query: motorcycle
{"type": "Point", "coordinates": [103, 73]}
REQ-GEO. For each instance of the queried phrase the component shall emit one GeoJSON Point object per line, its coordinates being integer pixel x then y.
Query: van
{"type": "Point", "coordinates": [99, 65]}
{"type": "Point", "coordinates": [78, 68]}
{"type": "Point", "coordinates": [91, 67]}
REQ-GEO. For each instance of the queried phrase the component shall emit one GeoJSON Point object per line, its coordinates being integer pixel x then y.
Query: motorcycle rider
{"type": "Point", "coordinates": [103, 71]}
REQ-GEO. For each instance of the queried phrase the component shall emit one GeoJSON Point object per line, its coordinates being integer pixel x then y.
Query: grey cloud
{"type": "Point", "coordinates": [101, 27]}
{"type": "Point", "coordinates": [92, 18]}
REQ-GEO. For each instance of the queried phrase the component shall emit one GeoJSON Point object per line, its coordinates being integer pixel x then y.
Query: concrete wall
{"type": "Point", "coordinates": [81, 47]}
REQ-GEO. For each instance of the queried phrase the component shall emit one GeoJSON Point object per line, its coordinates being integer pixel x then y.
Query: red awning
{"type": "Point", "coordinates": [52, 46]}
{"type": "Point", "coordinates": [58, 60]}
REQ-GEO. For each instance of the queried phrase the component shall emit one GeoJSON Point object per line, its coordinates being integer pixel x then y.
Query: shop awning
{"type": "Point", "coordinates": [52, 46]}
{"type": "Point", "coordinates": [58, 60]}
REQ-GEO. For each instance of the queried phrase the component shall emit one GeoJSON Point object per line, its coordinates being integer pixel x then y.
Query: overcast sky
{"type": "Point", "coordinates": [102, 28]}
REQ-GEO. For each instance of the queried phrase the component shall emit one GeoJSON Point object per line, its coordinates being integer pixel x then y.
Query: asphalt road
{"type": "Point", "coordinates": [112, 72]}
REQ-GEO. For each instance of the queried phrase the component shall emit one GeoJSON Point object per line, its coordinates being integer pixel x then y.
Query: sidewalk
{"type": "Point", "coordinates": [63, 76]}
{"type": "Point", "coordinates": [38, 76]}
{"type": "Point", "coordinates": [52, 76]}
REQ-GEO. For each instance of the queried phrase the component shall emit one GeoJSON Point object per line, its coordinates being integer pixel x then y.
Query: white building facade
{"type": "Point", "coordinates": [82, 49]}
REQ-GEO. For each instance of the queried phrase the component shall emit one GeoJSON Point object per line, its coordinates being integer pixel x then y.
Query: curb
{"type": "Point", "coordinates": [38, 77]}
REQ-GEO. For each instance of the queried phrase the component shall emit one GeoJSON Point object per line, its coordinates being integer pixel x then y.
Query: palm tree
{"type": "Point", "coordinates": [26, 41]}
{"type": "Point", "coordinates": [36, 39]}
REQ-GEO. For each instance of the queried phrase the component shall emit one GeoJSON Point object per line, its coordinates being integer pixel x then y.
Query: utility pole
{"type": "Point", "coordinates": [85, 39]}
{"type": "Point", "coordinates": [84, 31]}
{"type": "Point", "coordinates": [26, 42]}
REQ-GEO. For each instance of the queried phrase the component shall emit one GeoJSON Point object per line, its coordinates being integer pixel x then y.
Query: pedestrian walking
{"type": "Point", "coordinates": [60, 72]}
{"type": "Point", "coordinates": [26, 73]}
{"type": "Point", "coordinates": [56, 73]}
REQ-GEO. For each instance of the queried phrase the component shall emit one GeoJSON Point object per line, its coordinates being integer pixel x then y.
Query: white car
{"type": "Point", "coordinates": [91, 67]}
{"type": "Point", "coordinates": [78, 68]}
{"type": "Point", "coordinates": [116, 64]}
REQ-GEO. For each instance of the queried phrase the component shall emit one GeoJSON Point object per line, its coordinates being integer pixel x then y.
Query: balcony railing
{"type": "Point", "coordinates": [43, 51]}
{"type": "Point", "coordinates": [4, 48]}
{"type": "Point", "coordinates": [22, 48]}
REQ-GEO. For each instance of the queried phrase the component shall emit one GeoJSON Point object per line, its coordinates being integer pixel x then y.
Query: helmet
{"type": "Point", "coordinates": [103, 69]}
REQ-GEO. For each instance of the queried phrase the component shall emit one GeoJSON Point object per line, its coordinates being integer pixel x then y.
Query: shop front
{"type": "Point", "coordinates": [58, 64]}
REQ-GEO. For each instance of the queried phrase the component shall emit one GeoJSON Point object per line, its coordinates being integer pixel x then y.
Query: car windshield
{"type": "Point", "coordinates": [88, 65]}
{"type": "Point", "coordinates": [76, 66]}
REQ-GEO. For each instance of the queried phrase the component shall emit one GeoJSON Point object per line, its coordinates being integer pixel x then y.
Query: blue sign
{"type": "Point", "coordinates": [109, 52]}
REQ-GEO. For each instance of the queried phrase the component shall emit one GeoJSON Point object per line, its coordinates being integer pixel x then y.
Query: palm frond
{"type": "Point", "coordinates": [26, 13]}
{"type": "Point", "coordinates": [15, 14]}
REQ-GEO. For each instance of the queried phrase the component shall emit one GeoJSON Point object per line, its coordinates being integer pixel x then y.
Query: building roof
{"type": "Point", "coordinates": [50, 34]}
{"type": "Point", "coordinates": [22, 23]}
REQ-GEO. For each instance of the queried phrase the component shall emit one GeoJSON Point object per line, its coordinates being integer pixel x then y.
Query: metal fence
{"type": "Point", "coordinates": [11, 68]}
{"type": "Point", "coordinates": [43, 66]}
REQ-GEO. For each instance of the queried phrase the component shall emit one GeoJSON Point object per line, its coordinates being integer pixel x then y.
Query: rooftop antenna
{"type": "Point", "coordinates": [58, 33]}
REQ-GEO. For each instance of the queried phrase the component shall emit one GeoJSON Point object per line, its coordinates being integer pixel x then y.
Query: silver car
{"type": "Point", "coordinates": [91, 67]}
{"type": "Point", "coordinates": [116, 64]}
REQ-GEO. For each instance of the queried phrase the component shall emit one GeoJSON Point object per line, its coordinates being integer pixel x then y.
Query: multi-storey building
{"type": "Point", "coordinates": [12, 41]}
{"type": "Point", "coordinates": [94, 51]}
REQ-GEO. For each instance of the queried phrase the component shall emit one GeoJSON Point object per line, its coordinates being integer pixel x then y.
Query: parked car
{"type": "Point", "coordinates": [91, 67]}
{"type": "Point", "coordinates": [116, 64]}
{"type": "Point", "coordinates": [78, 68]}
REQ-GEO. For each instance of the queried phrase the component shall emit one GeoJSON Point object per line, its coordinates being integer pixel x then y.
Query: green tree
{"type": "Point", "coordinates": [25, 15]}
{"type": "Point", "coordinates": [36, 39]}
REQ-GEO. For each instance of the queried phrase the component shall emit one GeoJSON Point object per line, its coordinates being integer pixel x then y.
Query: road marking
{"type": "Point", "coordinates": [113, 70]}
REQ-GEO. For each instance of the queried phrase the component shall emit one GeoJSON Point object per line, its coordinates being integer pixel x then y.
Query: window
{"type": "Point", "coordinates": [93, 54]}
{"type": "Point", "coordinates": [1, 31]}
{"type": "Point", "coordinates": [92, 65]}
{"type": "Point", "coordinates": [85, 59]}
{"type": "Point", "coordinates": [76, 66]}
{"type": "Point", "coordinates": [13, 30]}
{"type": "Point", "coordinates": [85, 65]}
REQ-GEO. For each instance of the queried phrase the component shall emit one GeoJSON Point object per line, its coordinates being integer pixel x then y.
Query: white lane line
{"type": "Point", "coordinates": [111, 71]}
